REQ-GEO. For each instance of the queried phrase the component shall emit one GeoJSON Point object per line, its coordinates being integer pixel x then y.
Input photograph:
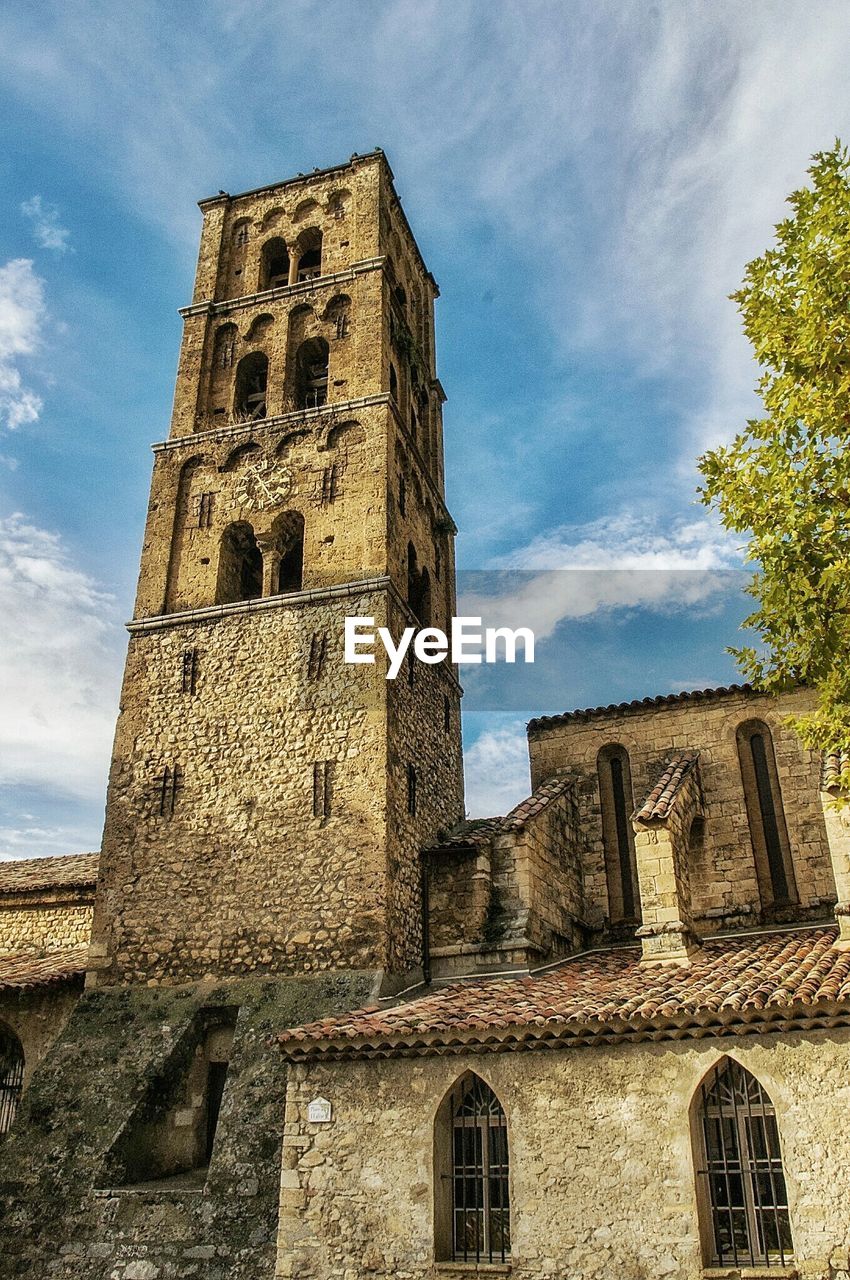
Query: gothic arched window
{"type": "Point", "coordinates": [472, 1218]}
{"type": "Point", "coordinates": [740, 1179]}
{"type": "Point", "coordinates": [765, 814]}
{"type": "Point", "coordinates": [615, 798]}
{"type": "Point", "coordinates": [11, 1077]}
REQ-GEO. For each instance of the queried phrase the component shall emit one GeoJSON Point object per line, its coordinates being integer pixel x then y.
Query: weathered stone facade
{"type": "Point", "coordinates": [288, 884]}
{"type": "Point", "coordinates": [602, 1163]}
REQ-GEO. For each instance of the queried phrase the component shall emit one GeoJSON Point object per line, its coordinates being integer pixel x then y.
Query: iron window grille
{"type": "Point", "coordinates": [744, 1179]}
{"type": "Point", "coordinates": [11, 1079]}
{"type": "Point", "coordinates": [480, 1206]}
{"type": "Point", "coordinates": [189, 671]}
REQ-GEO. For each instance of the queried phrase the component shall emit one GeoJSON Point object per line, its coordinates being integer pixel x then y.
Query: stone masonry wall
{"type": "Point", "coordinates": [44, 921]}
{"type": "Point", "coordinates": [723, 880]}
{"type": "Point", "coordinates": [37, 1015]}
{"type": "Point", "coordinates": [245, 866]}
{"type": "Point", "coordinates": [602, 1178]}
{"type": "Point", "coordinates": [66, 1210]}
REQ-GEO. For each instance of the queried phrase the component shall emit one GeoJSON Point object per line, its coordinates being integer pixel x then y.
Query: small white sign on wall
{"type": "Point", "coordinates": [319, 1111]}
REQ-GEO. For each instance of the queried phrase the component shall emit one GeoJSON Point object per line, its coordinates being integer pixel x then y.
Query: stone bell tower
{"type": "Point", "coordinates": [267, 802]}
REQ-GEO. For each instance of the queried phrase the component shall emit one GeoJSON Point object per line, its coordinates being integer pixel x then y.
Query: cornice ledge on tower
{"type": "Point", "coordinates": [227, 305]}
{"type": "Point", "coordinates": [352, 162]}
{"type": "Point", "coordinates": [232, 431]}
{"type": "Point", "coordinates": [313, 595]}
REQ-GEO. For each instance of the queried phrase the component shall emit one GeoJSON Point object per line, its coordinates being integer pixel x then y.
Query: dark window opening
{"type": "Point", "coordinates": [310, 259]}
{"type": "Point", "coordinates": [252, 375]}
{"type": "Point", "coordinates": [766, 817]}
{"type": "Point", "coordinates": [393, 382]}
{"type": "Point", "coordinates": [411, 668]}
{"type": "Point", "coordinates": [289, 532]}
{"type": "Point", "coordinates": [402, 496]}
{"type": "Point", "coordinates": [189, 671]}
{"type": "Point", "coordinates": [330, 479]}
{"type": "Point", "coordinates": [168, 785]}
{"type": "Point", "coordinates": [447, 714]}
{"type": "Point", "coordinates": [741, 1179]}
{"type": "Point", "coordinates": [480, 1203]}
{"type": "Point", "coordinates": [418, 588]}
{"type": "Point", "coordinates": [322, 788]}
{"type": "Point", "coordinates": [318, 650]}
{"type": "Point", "coordinates": [411, 790]}
{"type": "Point", "coordinates": [240, 565]}
{"type": "Point", "coordinates": [11, 1078]}
{"type": "Point", "coordinates": [615, 795]}
{"type": "Point", "coordinates": [311, 372]}
{"type": "Point", "coordinates": [275, 264]}
{"type": "Point", "coordinates": [205, 510]}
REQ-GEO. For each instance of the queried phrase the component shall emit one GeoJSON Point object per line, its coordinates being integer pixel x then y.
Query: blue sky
{"type": "Point", "coordinates": [586, 181]}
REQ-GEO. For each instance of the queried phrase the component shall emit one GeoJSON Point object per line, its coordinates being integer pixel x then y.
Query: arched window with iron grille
{"type": "Point", "coordinates": [472, 1193]}
{"type": "Point", "coordinates": [11, 1077]}
{"type": "Point", "coordinates": [740, 1179]}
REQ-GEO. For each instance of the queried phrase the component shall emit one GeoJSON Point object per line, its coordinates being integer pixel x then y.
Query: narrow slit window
{"type": "Point", "coordinates": [322, 788]}
{"type": "Point", "coordinates": [766, 816]}
{"type": "Point", "coordinates": [318, 650]}
{"type": "Point", "coordinates": [205, 511]}
{"type": "Point", "coordinates": [169, 783]}
{"type": "Point", "coordinates": [189, 671]}
{"type": "Point", "coordinates": [615, 797]}
{"type": "Point", "coordinates": [11, 1078]}
{"type": "Point", "coordinates": [411, 790]}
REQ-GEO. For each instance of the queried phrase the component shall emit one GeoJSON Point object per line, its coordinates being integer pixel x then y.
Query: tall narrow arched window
{"type": "Point", "coordinates": [240, 565]}
{"type": "Point", "coordinates": [311, 374]}
{"type": "Point", "coordinates": [765, 815]}
{"type": "Point", "coordinates": [252, 376]}
{"type": "Point", "coordinates": [740, 1180]}
{"type": "Point", "coordinates": [289, 535]}
{"type": "Point", "coordinates": [11, 1077]}
{"type": "Point", "coordinates": [617, 803]}
{"type": "Point", "coordinates": [310, 255]}
{"type": "Point", "coordinates": [472, 1204]}
{"type": "Point", "coordinates": [274, 264]}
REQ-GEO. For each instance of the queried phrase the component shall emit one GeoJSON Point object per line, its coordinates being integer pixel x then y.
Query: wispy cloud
{"type": "Point", "coordinates": [496, 768]}
{"type": "Point", "coordinates": [622, 563]}
{"type": "Point", "coordinates": [46, 224]}
{"type": "Point", "coordinates": [22, 315]}
{"type": "Point", "coordinates": [60, 658]}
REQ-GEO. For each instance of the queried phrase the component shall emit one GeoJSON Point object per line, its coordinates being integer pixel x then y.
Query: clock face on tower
{"type": "Point", "coordinates": [264, 484]}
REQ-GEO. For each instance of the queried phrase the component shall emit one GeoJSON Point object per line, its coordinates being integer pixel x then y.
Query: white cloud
{"type": "Point", "coordinates": [60, 662]}
{"type": "Point", "coordinates": [496, 769]}
{"type": "Point", "coordinates": [46, 225]}
{"type": "Point", "coordinates": [22, 315]}
{"type": "Point", "coordinates": [626, 562]}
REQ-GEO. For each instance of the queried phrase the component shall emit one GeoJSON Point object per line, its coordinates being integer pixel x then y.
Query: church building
{"type": "Point", "coordinates": [301, 1017]}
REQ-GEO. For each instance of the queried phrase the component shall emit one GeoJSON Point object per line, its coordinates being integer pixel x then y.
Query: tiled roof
{"type": "Point", "coordinates": [660, 797]}
{"type": "Point", "coordinates": [39, 970]}
{"type": "Point", "coordinates": [75, 870]}
{"type": "Point", "coordinates": [639, 704]}
{"type": "Point", "coordinates": [759, 981]}
{"type": "Point", "coordinates": [833, 764]}
{"type": "Point", "coordinates": [478, 831]}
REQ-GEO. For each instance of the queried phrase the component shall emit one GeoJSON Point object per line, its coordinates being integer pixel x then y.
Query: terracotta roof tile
{"type": "Point", "coordinates": [31, 970]}
{"type": "Point", "coordinates": [638, 704]}
{"type": "Point", "coordinates": [833, 764]}
{"type": "Point", "coordinates": [749, 978]}
{"type": "Point", "coordinates": [476, 831]}
{"type": "Point", "coordinates": [21, 876]}
{"type": "Point", "coordinates": [660, 797]}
